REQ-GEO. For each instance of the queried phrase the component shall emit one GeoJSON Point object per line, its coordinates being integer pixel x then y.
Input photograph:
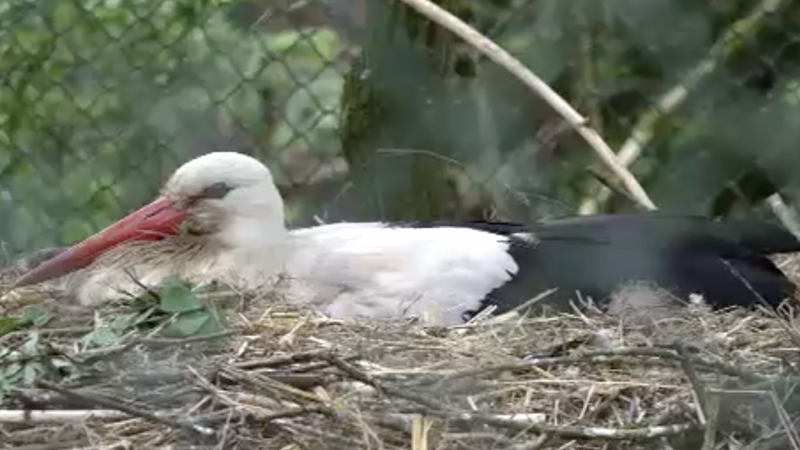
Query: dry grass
{"type": "Point", "coordinates": [288, 379]}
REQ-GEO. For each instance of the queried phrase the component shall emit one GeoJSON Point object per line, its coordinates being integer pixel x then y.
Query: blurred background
{"type": "Point", "coordinates": [365, 110]}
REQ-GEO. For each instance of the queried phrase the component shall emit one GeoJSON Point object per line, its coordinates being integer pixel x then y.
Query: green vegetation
{"type": "Point", "coordinates": [103, 99]}
{"type": "Point", "coordinates": [172, 312]}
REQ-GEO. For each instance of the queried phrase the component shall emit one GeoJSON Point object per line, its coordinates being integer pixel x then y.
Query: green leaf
{"type": "Point", "coordinates": [12, 372]}
{"type": "Point", "coordinates": [8, 324]}
{"type": "Point", "coordinates": [212, 325]}
{"type": "Point", "coordinates": [34, 317]}
{"type": "Point", "coordinates": [189, 324]}
{"type": "Point", "coordinates": [123, 322]}
{"type": "Point", "coordinates": [103, 337]}
{"type": "Point", "coordinates": [176, 297]}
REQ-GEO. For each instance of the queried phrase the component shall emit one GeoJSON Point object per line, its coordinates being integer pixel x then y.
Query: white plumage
{"type": "Point", "coordinates": [379, 271]}
{"type": "Point", "coordinates": [347, 270]}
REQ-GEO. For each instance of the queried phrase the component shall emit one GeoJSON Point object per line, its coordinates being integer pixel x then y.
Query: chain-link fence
{"type": "Point", "coordinates": [363, 109]}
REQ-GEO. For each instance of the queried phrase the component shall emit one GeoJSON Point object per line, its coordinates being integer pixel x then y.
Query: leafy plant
{"type": "Point", "coordinates": [174, 309]}
{"type": "Point", "coordinates": [28, 318]}
{"type": "Point", "coordinates": [24, 364]}
{"type": "Point", "coordinates": [190, 316]}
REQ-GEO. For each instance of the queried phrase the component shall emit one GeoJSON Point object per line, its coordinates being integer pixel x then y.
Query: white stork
{"type": "Point", "coordinates": [221, 218]}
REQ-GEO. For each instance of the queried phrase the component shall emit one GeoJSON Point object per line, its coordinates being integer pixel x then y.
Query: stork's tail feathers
{"type": "Point", "coordinates": [725, 262]}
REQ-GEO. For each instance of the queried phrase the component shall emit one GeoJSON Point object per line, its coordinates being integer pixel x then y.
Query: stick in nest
{"type": "Point", "coordinates": [698, 388]}
{"type": "Point", "coordinates": [112, 404]}
{"type": "Point", "coordinates": [60, 416]}
{"type": "Point", "coordinates": [438, 409]}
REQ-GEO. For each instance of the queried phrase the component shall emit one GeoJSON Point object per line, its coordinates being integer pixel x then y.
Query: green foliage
{"type": "Point", "coordinates": [23, 361]}
{"type": "Point", "coordinates": [110, 330]}
{"type": "Point", "coordinates": [28, 318]}
{"type": "Point", "coordinates": [173, 310]}
{"type": "Point", "coordinates": [190, 316]}
{"type": "Point", "coordinates": [103, 98]}
{"type": "Point", "coordinates": [23, 364]}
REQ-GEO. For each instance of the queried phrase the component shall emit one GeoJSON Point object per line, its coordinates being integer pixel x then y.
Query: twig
{"type": "Point", "coordinates": [92, 356]}
{"type": "Point", "coordinates": [785, 213]}
{"type": "Point", "coordinates": [712, 405]}
{"type": "Point", "coordinates": [49, 331]}
{"type": "Point", "coordinates": [504, 59]}
{"type": "Point", "coordinates": [441, 410]}
{"type": "Point", "coordinates": [786, 420]}
{"type": "Point", "coordinates": [698, 390]}
{"type": "Point", "coordinates": [734, 37]}
{"type": "Point", "coordinates": [516, 312]}
{"type": "Point", "coordinates": [188, 340]}
{"type": "Point", "coordinates": [266, 384]}
{"type": "Point", "coordinates": [358, 375]}
{"type": "Point", "coordinates": [609, 184]}
{"type": "Point", "coordinates": [609, 355]}
{"type": "Point", "coordinates": [301, 380]}
{"type": "Point", "coordinates": [718, 366]}
{"type": "Point", "coordinates": [111, 404]}
{"type": "Point", "coordinates": [535, 444]}
{"type": "Point", "coordinates": [769, 311]}
{"type": "Point", "coordinates": [296, 428]}
{"type": "Point", "coordinates": [520, 418]}
{"type": "Point", "coordinates": [71, 445]}
{"type": "Point", "coordinates": [263, 415]}
{"type": "Point", "coordinates": [279, 361]}
{"type": "Point", "coordinates": [297, 412]}
{"type": "Point", "coordinates": [571, 431]}
{"type": "Point", "coordinates": [420, 428]}
{"type": "Point", "coordinates": [58, 415]}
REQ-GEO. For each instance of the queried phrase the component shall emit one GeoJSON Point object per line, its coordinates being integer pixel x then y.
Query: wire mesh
{"type": "Point", "coordinates": [102, 99]}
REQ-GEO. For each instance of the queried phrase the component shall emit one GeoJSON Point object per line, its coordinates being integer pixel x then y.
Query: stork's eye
{"type": "Point", "coordinates": [215, 191]}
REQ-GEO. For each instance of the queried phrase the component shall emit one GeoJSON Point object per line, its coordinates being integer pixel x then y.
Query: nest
{"type": "Point", "coordinates": [288, 378]}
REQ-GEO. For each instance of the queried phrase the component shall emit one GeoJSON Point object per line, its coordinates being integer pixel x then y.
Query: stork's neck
{"type": "Point", "coordinates": [257, 249]}
{"type": "Point", "coordinates": [252, 234]}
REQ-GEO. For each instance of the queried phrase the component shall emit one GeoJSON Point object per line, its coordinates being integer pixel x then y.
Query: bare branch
{"type": "Point", "coordinates": [504, 59]}
{"type": "Point", "coordinates": [731, 41]}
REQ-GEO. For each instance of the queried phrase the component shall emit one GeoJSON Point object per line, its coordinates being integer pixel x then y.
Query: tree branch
{"type": "Point", "coordinates": [501, 57]}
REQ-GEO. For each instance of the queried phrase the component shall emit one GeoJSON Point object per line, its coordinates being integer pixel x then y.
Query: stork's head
{"type": "Point", "coordinates": [228, 198]}
{"type": "Point", "coordinates": [223, 194]}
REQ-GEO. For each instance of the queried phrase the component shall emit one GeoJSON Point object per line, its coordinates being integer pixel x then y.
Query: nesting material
{"type": "Point", "coordinates": [286, 378]}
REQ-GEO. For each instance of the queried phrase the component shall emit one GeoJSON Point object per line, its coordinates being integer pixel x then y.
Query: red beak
{"type": "Point", "coordinates": [149, 223]}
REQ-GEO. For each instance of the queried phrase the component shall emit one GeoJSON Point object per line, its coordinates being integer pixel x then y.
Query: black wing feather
{"type": "Point", "coordinates": [726, 262]}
